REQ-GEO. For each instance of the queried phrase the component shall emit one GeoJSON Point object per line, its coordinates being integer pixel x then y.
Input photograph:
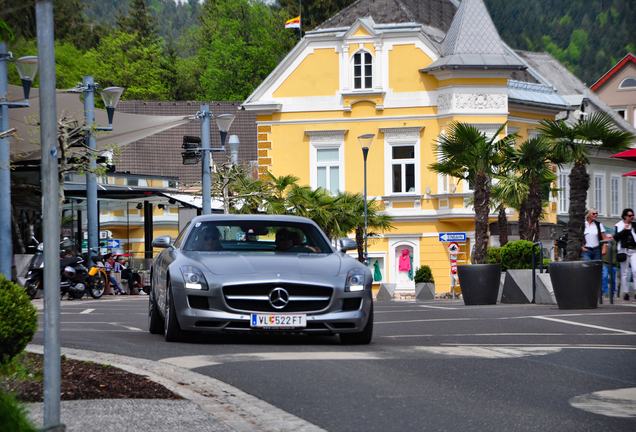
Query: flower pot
{"type": "Point", "coordinates": [424, 291]}
{"type": "Point", "coordinates": [479, 283]}
{"type": "Point", "coordinates": [576, 284]}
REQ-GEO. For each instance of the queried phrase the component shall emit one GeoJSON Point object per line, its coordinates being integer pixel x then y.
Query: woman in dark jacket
{"type": "Point", "coordinates": [625, 236]}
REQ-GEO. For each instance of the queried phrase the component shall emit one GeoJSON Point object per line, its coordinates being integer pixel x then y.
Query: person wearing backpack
{"type": "Point", "coordinates": [594, 233]}
{"type": "Point", "coordinates": [625, 236]}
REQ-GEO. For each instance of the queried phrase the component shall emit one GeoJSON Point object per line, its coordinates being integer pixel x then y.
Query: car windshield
{"type": "Point", "coordinates": [256, 236]}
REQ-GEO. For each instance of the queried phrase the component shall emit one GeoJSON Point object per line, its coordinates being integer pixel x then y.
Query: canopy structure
{"type": "Point", "coordinates": [630, 174]}
{"type": "Point", "coordinates": [629, 155]}
{"type": "Point", "coordinates": [127, 128]}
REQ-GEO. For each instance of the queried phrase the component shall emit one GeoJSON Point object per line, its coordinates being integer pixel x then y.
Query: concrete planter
{"type": "Point", "coordinates": [424, 291]}
{"type": "Point", "coordinates": [479, 283]}
{"type": "Point", "coordinates": [386, 292]}
{"type": "Point", "coordinates": [577, 284]}
{"type": "Point", "coordinates": [517, 288]}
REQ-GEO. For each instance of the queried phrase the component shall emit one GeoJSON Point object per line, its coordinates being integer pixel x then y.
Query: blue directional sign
{"type": "Point", "coordinates": [113, 244]}
{"type": "Point", "coordinates": [449, 237]}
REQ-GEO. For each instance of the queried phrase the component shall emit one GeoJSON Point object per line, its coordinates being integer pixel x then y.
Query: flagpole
{"type": "Point", "coordinates": [300, 19]}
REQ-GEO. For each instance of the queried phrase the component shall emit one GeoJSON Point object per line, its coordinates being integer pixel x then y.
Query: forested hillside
{"type": "Point", "coordinates": [223, 49]}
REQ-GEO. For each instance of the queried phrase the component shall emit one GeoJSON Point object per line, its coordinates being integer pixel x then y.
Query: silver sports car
{"type": "Point", "coordinates": [253, 273]}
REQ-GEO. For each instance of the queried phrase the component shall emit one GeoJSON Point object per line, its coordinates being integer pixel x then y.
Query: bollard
{"type": "Point", "coordinates": [534, 268]}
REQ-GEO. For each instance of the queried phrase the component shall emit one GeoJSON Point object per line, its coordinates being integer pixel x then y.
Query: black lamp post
{"type": "Point", "coordinates": [365, 142]}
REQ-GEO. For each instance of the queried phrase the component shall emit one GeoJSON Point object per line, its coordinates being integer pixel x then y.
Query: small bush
{"type": "Point", "coordinates": [18, 320]}
{"type": "Point", "coordinates": [424, 275]}
{"type": "Point", "coordinates": [493, 255]}
{"type": "Point", "coordinates": [13, 415]}
{"type": "Point", "coordinates": [517, 255]}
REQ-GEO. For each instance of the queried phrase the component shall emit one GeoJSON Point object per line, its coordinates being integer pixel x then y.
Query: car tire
{"type": "Point", "coordinates": [361, 338]}
{"type": "Point", "coordinates": [155, 323]}
{"type": "Point", "coordinates": [172, 331]}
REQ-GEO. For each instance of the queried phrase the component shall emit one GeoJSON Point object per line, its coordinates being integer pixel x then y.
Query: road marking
{"type": "Point", "coordinates": [584, 325]}
{"type": "Point", "coordinates": [490, 352]}
{"type": "Point", "coordinates": [437, 307]}
{"type": "Point", "coordinates": [87, 311]}
{"type": "Point", "coordinates": [612, 403]}
{"type": "Point", "coordinates": [192, 362]}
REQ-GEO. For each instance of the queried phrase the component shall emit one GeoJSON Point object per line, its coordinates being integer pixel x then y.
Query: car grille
{"type": "Point", "coordinates": [255, 298]}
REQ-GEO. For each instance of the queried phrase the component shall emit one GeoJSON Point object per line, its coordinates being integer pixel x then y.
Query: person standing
{"type": "Point", "coordinates": [626, 239]}
{"type": "Point", "coordinates": [607, 270]}
{"type": "Point", "coordinates": [594, 233]}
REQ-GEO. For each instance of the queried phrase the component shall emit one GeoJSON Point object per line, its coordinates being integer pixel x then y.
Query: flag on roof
{"type": "Point", "coordinates": [293, 23]}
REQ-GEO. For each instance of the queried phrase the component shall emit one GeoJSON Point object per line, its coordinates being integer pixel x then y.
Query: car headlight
{"type": "Point", "coordinates": [355, 280]}
{"type": "Point", "coordinates": [193, 278]}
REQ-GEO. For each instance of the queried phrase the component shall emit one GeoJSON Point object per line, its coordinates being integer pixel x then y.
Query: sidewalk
{"type": "Point", "coordinates": [209, 405]}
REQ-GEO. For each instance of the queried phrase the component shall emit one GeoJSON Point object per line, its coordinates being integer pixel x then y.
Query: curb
{"type": "Point", "coordinates": [238, 410]}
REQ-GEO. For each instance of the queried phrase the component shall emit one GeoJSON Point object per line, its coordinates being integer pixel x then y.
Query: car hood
{"type": "Point", "coordinates": [249, 263]}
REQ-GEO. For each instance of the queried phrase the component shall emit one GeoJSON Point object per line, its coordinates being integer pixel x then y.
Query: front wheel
{"type": "Point", "coordinates": [172, 330]}
{"type": "Point", "coordinates": [362, 338]}
{"type": "Point", "coordinates": [97, 285]}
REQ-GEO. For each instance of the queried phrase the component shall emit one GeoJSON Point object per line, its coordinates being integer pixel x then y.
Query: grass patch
{"type": "Point", "coordinates": [22, 367]}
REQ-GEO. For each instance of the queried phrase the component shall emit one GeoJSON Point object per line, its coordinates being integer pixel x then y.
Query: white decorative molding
{"type": "Point", "coordinates": [488, 128]}
{"type": "Point", "coordinates": [480, 101]}
{"type": "Point", "coordinates": [444, 101]}
{"type": "Point", "coordinates": [403, 132]}
{"type": "Point", "coordinates": [327, 135]}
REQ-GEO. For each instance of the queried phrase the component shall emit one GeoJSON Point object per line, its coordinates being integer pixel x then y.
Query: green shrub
{"type": "Point", "coordinates": [13, 415]}
{"type": "Point", "coordinates": [493, 255]}
{"type": "Point", "coordinates": [18, 320]}
{"type": "Point", "coordinates": [518, 255]}
{"type": "Point", "coordinates": [424, 275]}
{"type": "Point", "coordinates": [546, 262]}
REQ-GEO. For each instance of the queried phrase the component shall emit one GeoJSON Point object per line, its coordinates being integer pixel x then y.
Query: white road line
{"type": "Point", "coordinates": [612, 403]}
{"type": "Point", "coordinates": [584, 325]}
{"type": "Point", "coordinates": [87, 311]}
{"type": "Point", "coordinates": [502, 334]}
{"type": "Point", "coordinates": [431, 320]}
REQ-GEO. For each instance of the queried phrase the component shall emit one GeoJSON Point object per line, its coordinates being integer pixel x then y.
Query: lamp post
{"type": "Point", "coordinates": [110, 96]}
{"type": "Point", "coordinates": [27, 68]}
{"type": "Point", "coordinates": [365, 142]}
{"type": "Point", "coordinates": [223, 122]}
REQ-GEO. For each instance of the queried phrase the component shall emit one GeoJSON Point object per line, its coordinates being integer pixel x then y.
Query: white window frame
{"type": "Point", "coordinates": [328, 139]}
{"type": "Point", "coordinates": [631, 193]}
{"type": "Point", "coordinates": [615, 195]}
{"type": "Point", "coordinates": [408, 136]}
{"type": "Point", "coordinates": [563, 203]}
{"type": "Point", "coordinates": [599, 193]}
{"type": "Point", "coordinates": [363, 76]}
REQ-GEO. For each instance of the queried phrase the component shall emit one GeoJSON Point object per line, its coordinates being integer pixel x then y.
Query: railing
{"type": "Point", "coordinates": [610, 289]}
{"type": "Point", "coordinates": [534, 268]}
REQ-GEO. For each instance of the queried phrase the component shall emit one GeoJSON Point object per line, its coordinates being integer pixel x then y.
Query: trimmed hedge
{"type": "Point", "coordinates": [424, 275]}
{"type": "Point", "coordinates": [517, 255]}
{"type": "Point", "coordinates": [493, 255]}
{"type": "Point", "coordinates": [18, 320]}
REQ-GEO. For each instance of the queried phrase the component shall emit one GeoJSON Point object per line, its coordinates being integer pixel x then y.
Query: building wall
{"type": "Point", "coordinates": [621, 99]}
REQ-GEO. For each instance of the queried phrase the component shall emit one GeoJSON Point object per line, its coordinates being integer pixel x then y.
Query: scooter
{"type": "Point", "coordinates": [75, 279]}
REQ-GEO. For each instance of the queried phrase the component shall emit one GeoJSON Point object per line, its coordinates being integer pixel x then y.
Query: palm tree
{"type": "Point", "coordinates": [507, 193]}
{"type": "Point", "coordinates": [532, 160]}
{"type": "Point", "coordinates": [467, 154]}
{"type": "Point", "coordinates": [574, 144]}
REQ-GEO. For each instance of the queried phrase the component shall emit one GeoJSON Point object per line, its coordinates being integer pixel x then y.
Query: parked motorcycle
{"type": "Point", "coordinates": [75, 278]}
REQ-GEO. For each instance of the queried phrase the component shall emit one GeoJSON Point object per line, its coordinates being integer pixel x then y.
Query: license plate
{"type": "Point", "coordinates": [278, 320]}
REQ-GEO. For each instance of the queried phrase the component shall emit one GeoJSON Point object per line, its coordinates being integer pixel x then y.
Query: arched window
{"type": "Point", "coordinates": [362, 70]}
{"type": "Point", "coordinates": [628, 83]}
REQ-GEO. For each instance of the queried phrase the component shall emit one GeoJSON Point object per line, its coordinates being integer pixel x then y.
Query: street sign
{"type": "Point", "coordinates": [113, 244]}
{"type": "Point", "coordinates": [448, 237]}
{"type": "Point", "coordinates": [453, 248]}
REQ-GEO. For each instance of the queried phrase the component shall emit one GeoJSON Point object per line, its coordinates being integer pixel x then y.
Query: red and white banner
{"type": "Point", "coordinates": [293, 23]}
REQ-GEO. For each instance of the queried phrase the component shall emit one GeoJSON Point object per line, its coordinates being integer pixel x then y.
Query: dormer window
{"type": "Point", "coordinates": [628, 83]}
{"type": "Point", "coordinates": [362, 70]}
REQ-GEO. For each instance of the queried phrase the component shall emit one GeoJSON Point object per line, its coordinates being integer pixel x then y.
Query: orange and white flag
{"type": "Point", "coordinates": [293, 23]}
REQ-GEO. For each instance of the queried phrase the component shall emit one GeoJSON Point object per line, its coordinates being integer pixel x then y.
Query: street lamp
{"type": "Point", "coordinates": [233, 144]}
{"type": "Point", "coordinates": [110, 96]}
{"type": "Point", "coordinates": [223, 122]}
{"type": "Point", "coordinates": [27, 68]}
{"type": "Point", "coordinates": [365, 142]}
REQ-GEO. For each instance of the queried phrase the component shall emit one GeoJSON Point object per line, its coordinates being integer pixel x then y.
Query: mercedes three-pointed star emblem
{"type": "Point", "coordinates": [278, 298]}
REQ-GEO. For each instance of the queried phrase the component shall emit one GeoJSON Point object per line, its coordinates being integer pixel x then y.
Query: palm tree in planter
{"type": "Point", "coordinates": [532, 160]}
{"type": "Point", "coordinates": [507, 193]}
{"type": "Point", "coordinates": [574, 144]}
{"type": "Point", "coordinates": [466, 153]}
{"type": "Point", "coordinates": [577, 284]}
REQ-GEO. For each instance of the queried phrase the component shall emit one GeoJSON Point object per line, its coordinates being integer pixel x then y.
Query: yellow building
{"type": "Point", "coordinates": [403, 75]}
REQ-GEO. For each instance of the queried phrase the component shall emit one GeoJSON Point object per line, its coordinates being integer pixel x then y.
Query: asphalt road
{"type": "Point", "coordinates": [431, 366]}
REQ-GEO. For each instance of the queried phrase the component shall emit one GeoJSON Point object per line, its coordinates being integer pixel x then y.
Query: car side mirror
{"type": "Point", "coordinates": [347, 244]}
{"type": "Point", "coordinates": [163, 242]}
